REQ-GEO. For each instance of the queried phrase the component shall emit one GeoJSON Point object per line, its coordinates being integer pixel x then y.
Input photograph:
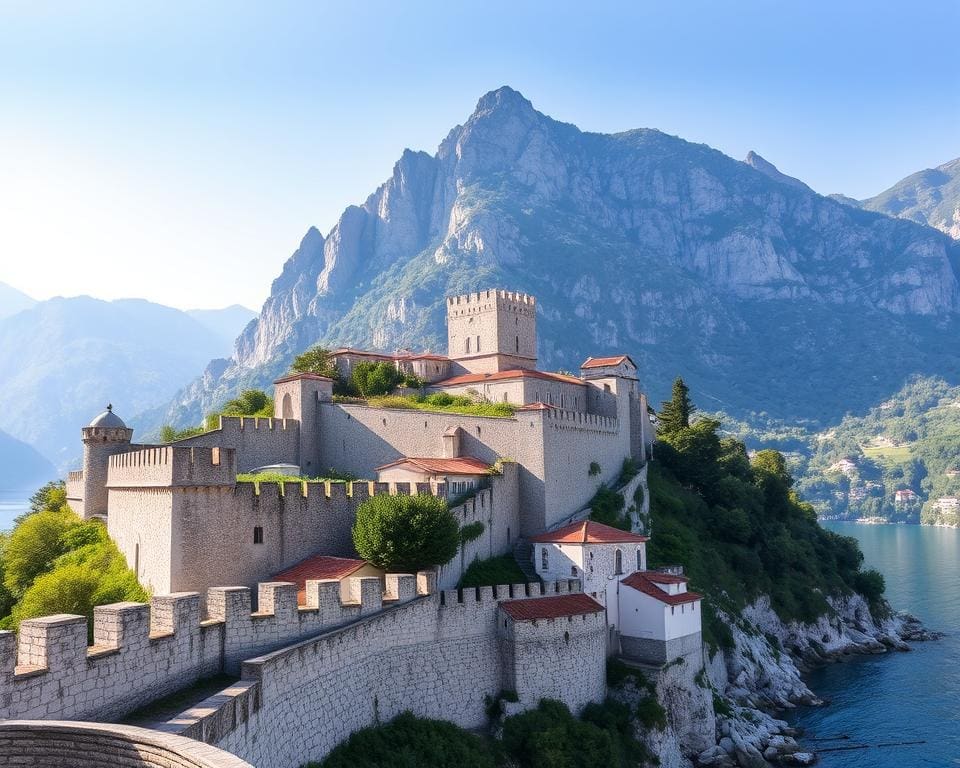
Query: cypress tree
{"type": "Point", "coordinates": [675, 413]}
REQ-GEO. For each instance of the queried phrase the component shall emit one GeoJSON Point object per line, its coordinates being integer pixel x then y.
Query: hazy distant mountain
{"type": "Point", "coordinates": [13, 301]}
{"type": "Point", "coordinates": [929, 197]}
{"type": "Point", "coordinates": [766, 296]}
{"type": "Point", "coordinates": [63, 360]}
{"type": "Point", "coordinates": [227, 323]}
{"type": "Point", "coordinates": [22, 468]}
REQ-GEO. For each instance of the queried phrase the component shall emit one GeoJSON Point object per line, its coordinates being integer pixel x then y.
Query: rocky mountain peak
{"type": "Point", "coordinates": [639, 242]}
{"type": "Point", "coordinates": [768, 169]}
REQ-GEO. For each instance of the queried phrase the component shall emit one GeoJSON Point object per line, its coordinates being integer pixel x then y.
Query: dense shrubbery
{"type": "Point", "coordinates": [54, 562]}
{"type": "Point", "coordinates": [441, 401]}
{"type": "Point", "coordinates": [549, 736]}
{"type": "Point", "coordinates": [405, 533]}
{"type": "Point", "coordinates": [412, 742]}
{"type": "Point", "coordinates": [493, 571]}
{"type": "Point", "coordinates": [739, 528]}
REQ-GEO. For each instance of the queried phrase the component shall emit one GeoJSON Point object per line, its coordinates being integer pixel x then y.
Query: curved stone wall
{"type": "Point", "coordinates": [52, 743]}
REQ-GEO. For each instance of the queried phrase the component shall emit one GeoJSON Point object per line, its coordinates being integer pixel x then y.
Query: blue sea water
{"type": "Point", "coordinates": [12, 503]}
{"type": "Point", "coordinates": [897, 697]}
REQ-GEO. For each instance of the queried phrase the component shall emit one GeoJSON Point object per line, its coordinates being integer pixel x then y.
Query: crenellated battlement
{"type": "Point", "coordinates": [259, 423]}
{"type": "Point", "coordinates": [355, 491]}
{"type": "Point", "coordinates": [171, 466]}
{"type": "Point", "coordinates": [485, 301]}
{"type": "Point", "coordinates": [564, 419]}
{"type": "Point", "coordinates": [142, 652]}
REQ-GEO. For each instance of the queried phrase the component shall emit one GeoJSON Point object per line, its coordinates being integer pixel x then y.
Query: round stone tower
{"type": "Point", "coordinates": [106, 436]}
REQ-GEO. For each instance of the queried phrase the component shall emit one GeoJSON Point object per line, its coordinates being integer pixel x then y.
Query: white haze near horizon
{"type": "Point", "coordinates": [178, 153]}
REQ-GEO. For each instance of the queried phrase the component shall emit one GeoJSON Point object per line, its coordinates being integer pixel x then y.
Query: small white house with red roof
{"type": "Point", "coordinates": [660, 619]}
{"type": "Point", "coordinates": [597, 554]}
{"type": "Point", "coordinates": [325, 567]}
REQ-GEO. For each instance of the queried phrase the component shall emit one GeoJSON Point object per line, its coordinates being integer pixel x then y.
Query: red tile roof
{"type": "Point", "coordinates": [556, 607]}
{"type": "Point", "coordinates": [603, 362]}
{"type": "Point", "coordinates": [317, 567]}
{"type": "Point", "coordinates": [589, 532]}
{"type": "Point", "coordinates": [665, 578]}
{"type": "Point", "coordinates": [641, 582]}
{"type": "Point", "coordinates": [462, 465]}
{"type": "Point", "coordinates": [538, 406]}
{"type": "Point", "coordinates": [295, 376]}
{"type": "Point", "coordinates": [387, 355]}
{"type": "Point", "coordinates": [518, 373]}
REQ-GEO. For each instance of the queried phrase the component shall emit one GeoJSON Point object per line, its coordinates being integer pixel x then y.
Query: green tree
{"type": "Point", "coordinates": [675, 413]}
{"type": "Point", "coordinates": [316, 360]}
{"type": "Point", "coordinates": [406, 533]}
{"type": "Point", "coordinates": [250, 402]}
{"type": "Point", "coordinates": [51, 496]}
{"type": "Point", "coordinates": [374, 379]}
{"type": "Point", "coordinates": [33, 546]}
{"type": "Point", "coordinates": [91, 572]}
{"type": "Point", "coordinates": [169, 434]}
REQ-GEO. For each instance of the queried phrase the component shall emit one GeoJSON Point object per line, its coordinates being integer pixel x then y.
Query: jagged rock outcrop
{"type": "Point", "coordinates": [639, 241]}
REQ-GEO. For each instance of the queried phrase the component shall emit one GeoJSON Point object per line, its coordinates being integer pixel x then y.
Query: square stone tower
{"type": "Point", "coordinates": [492, 331]}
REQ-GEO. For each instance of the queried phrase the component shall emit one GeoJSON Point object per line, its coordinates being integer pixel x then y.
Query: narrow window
{"type": "Point", "coordinates": [136, 559]}
{"type": "Point", "coordinates": [518, 345]}
{"type": "Point", "coordinates": [573, 570]}
{"type": "Point", "coordinates": [618, 562]}
{"type": "Point", "coordinates": [478, 343]}
{"type": "Point", "coordinates": [508, 533]}
{"type": "Point", "coordinates": [258, 534]}
{"type": "Point", "coordinates": [639, 559]}
{"type": "Point", "coordinates": [478, 431]}
{"type": "Point", "coordinates": [468, 345]}
{"type": "Point", "coordinates": [544, 559]}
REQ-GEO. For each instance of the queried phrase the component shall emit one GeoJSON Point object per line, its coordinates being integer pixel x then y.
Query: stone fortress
{"type": "Point", "coordinates": [320, 644]}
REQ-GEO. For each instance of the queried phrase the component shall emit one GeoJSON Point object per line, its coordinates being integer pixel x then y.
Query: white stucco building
{"type": "Point", "coordinates": [651, 616]}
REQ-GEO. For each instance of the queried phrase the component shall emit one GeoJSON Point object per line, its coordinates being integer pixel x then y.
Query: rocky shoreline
{"type": "Point", "coordinates": [745, 687]}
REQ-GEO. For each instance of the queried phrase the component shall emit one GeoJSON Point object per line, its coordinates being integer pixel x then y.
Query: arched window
{"type": "Point", "coordinates": [573, 570]}
{"type": "Point", "coordinates": [287, 410]}
{"type": "Point", "coordinates": [544, 559]}
{"type": "Point", "coordinates": [618, 562]}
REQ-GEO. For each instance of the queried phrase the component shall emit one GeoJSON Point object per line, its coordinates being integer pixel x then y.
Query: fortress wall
{"type": "Point", "coordinates": [357, 439]}
{"type": "Point", "coordinates": [214, 529]}
{"type": "Point", "coordinates": [498, 508]}
{"type": "Point", "coordinates": [539, 667]}
{"type": "Point", "coordinates": [141, 523]}
{"type": "Point", "coordinates": [142, 653]}
{"type": "Point", "coordinates": [172, 466]}
{"type": "Point", "coordinates": [571, 442]}
{"type": "Point", "coordinates": [258, 440]}
{"type": "Point", "coordinates": [435, 656]}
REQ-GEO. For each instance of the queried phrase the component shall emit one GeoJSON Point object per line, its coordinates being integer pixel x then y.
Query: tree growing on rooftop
{"type": "Point", "coordinates": [405, 533]}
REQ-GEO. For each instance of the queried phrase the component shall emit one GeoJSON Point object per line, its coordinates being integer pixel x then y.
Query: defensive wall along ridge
{"type": "Point", "coordinates": [311, 675]}
{"type": "Point", "coordinates": [438, 656]}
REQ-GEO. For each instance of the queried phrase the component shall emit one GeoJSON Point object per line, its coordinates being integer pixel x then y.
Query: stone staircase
{"type": "Point", "coordinates": [523, 554]}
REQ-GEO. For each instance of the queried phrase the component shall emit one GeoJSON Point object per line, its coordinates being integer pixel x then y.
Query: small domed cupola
{"type": "Point", "coordinates": [108, 420]}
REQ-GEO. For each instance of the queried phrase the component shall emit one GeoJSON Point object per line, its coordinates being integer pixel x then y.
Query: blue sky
{"type": "Point", "coordinates": [179, 151]}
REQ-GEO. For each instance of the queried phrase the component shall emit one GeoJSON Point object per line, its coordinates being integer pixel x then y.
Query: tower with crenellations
{"type": "Point", "coordinates": [105, 436]}
{"type": "Point", "coordinates": [491, 331]}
